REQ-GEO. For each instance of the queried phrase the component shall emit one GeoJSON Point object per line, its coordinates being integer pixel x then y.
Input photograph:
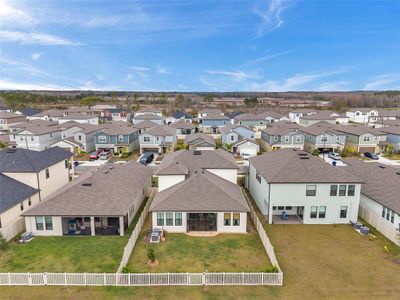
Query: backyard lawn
{"type": "Point", "coordinates": [67, 253]}
{"type": "Point", "coordinates": [183, 253]}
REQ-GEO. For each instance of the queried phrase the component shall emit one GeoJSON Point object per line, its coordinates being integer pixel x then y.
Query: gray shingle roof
{"type": "Point", "coordinates": [357, 129]}
{"type": "Point", "coordinates": [289, 166]}
{"type": "Point", "coordinates": [145, 124]}
{"type": "Point", "coordinates": [181, 124]}
{"type": "Point", "coordinates": [23, 160]}
{"type": "Point", "coordinates": [185, 162]}
{"type": "Point", "coordinates": [148, 117]}
{"type": "Point", "coordinates": [9, 115]}
{"type": "Point", "coordinates": [117, 128]}
{"type": "Point", "coordinates": [395, 130]}
{"type": "Point", "coordinates": [322, 127]}
{"type": "Point", "coordinates": [381, 183]}
{"type": "Point", "coordinates": [281, 128]}
{"type": "Point", "coordinates": [13, 192]}
{"type": "Point", "coordinates": [28, 111]}
{"type": "Point", "coordinates": [161, 130]}
{"type": "Point", "coordinates": [203, 192]}
{"type": "Point", "coordinates": [180, 114]}
{"type": "Point", "coordinates": [108, 195]}
{"type": "Point", "coordinates": [199, 138]}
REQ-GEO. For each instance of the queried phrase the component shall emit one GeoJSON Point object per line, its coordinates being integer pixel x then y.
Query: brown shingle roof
{"type": "Point", "coordinates": [357, 129]}
{"type": "Point", "coordinates": [108, 195]}
{"type": "Point", "coordinates": [203, 192]}
{"type": "Point", "coordinates": [161, 130]}
{"type": "Point", "coordinates": [381, 183]}
{"type": "Point", "coordinates": [295, 166]}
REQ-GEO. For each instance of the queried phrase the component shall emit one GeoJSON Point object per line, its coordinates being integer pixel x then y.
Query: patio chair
{"type": "Point", "coordinates": [284, 216]}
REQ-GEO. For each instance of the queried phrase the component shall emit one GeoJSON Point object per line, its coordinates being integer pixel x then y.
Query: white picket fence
{"type": "Point", "coordinates": [12, 230]}
{"type": "Point", "coordinates": [135, 234]}
{"type": "Point", "coordinates": [145, 279]}
{"type": "Point", "coordinates": [263, 235]}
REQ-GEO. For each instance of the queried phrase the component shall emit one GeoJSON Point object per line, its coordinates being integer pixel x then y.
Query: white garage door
{"type": "Point", "coordinates": [250, 151]}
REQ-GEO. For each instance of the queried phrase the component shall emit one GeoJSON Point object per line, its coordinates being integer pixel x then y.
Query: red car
{"type": "Point", "coordinates": [95, 155]}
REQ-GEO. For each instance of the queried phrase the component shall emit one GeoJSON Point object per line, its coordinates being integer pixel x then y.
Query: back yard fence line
{"type": "Point", "coordinates": [145, 279]}
{"type": "Point", "coordinates": [135, 234]}
{"type": "Point", "coordinates": [12, 230]}
{"type": "Point", "coordinates": [263, 235]}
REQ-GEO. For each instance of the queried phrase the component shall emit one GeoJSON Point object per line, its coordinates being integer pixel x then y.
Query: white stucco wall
{"type": "Point", "coordinates": [227, 174]}
{"type": "Point", "coordinates": [166, 181]}
{"type": "Point", "coordinates": [57, 227]}
{"type": "Point", "coordinates": [258, 191]}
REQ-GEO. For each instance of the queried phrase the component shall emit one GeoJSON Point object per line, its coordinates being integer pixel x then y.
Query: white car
{"type": "Point", "coordinates": [334, 156]}
{"type": "Point", "coordinates": [246, 156]}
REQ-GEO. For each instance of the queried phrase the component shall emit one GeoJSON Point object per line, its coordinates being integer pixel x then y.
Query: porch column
{"type": "Point", "coordinates": [121, 226]}
{"type": "Point", "coordinates": [92, 227]}
{"type": "Point", "coordinates": [270, 212]}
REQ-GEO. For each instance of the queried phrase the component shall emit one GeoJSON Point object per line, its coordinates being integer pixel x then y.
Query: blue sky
{"type": "Point", "coordinates": [187, 45]}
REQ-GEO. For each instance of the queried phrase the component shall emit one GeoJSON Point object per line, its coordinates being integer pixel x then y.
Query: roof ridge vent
{"type": "Point", "coordinates": [87, 184]}
{"type": "Point", "coordinates": [382, 167]}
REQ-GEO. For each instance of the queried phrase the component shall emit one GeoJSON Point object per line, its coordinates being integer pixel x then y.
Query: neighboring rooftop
{"type": "Point", "coordinates": [97, 193]}
{"type": "Point", "coordinates": [78, 116]}
{"type": "Point", "coordinates": [117, 128]}
{"type": "Point", "coordinates": [145, 124]}
{"type": "Point", "coordinates": [198, 138]}
{"type": "Point", "coordinates": [381, 182]}
{"type": "Point", "coordinates": [186, 162]}
{"type": "Point", "coordinates": [23, 160]}
{"type": "Point", "coordinates": [296, 166]}
{"type": "Point", "coordinates": [9, 115]}
{"type": "Point", "coordinates": [395, 130]}
{"type": "Point", "coordinates": [215, 117]}
{"type": "Point", "coordinates": [161, 130]}
{"type": "Point", "coordinates": [13, 192]}
{"type": "Point", "coordinates": [322, 127]}
{"type": "Point", "coordinates": [281, 128]}
{"type": "Point", "coordinates": [148, 117]}
{"type": "Point", "coordinates": [204, 191]}
{"type": "Point", "coordinates": [49, 113]}
{"type": "Point", "coordinates": [358, 129]}
{"type": "Point", "coordinates": [180, 114]}
{"type": "Point", "coordinates": [181, 124]}
{"type": "Point", "coordinates": [29, 111]}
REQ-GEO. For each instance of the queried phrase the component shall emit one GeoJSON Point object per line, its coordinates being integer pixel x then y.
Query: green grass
{"type": "Point", "coordinates": [67, 253]}
{"type": "Point", "coordinates": [183, 253]}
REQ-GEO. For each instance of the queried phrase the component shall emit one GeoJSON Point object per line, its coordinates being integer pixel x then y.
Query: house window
{"type": "Point", "coordinates": [366, 138]}
{"type": "Point", "coordinates": [281, 207]}
{"type": "Point", "coordinates": [342, 190]}
{"type": "Point", "coordinates": [298, 139]}
{"type": "Point", "coordinates": [227, 219]}
{"type": "Point", "coordinates": [66, 163]}
{"type": "Point", "coordinates": [29, 202]}
{"type": "Point", "coordinates": [102, 139]}
{"type": "Point", "coordinates": [276, 138]}
{"type": "Point", "coordinates": [392, 218]}
{"type": "Point", "coordinates": [146, 139]}
{"type": "Point", "coordinates": [160, 219]}
{"type": "Point", "coordinates": [120, 138]}
{"type": "Point", "coordinates": [322, 212]}
{"type": "Point", "coordinates": [236, 219]}
{"type": "Point", "coordinates": [388, 214]}
{"type": "Point", "coordinates": [286, 139]}
{"type": "Point", "coordinates": [32, 138]}
{"type": "Point", "coordinates": [178, 219]}
{"type": "Point", "coordinates": [169, 219]}
{"type": "Point", "coordinates": [47, 173]}
{"type": "Point", "coordinates": [258, 178]}
{"type": "Point", "coordinates": [232, 138]}
{"type": "Point", "coordinates": [51, 134]}
{"type": "Point", "coordinates": [311, 190]}
{"type": "Point", "coordinates": [21, 205]}
{"type": "Point", "coordinates": [288, 208]}
{"type": "Point", "coordinates": [324, 139]}
{"type": "Point", "coordinates": [333, 190]}
{"type": "Point", "coordinates": [313, 212]}
{"type": "Point", "coordinates": [49, 223]}
{"type": "Point", "coordinates": [39, 223]}
{"type": "Point", "coordinates": [351, 190]}
{"type": "Point", "coordinates": [383, 211]}
{"type": "Point", "coordinates": [273, 207]}
{"type": "Point", "coordinates": [343, 212]}
{"type": "Point", "coordinates": [79, 137]}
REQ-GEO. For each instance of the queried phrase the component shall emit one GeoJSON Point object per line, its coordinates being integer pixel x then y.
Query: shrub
{"type": "Point", "coordinates": [151, 255]}
{"type": "Point", "coordinates": [272, 269]}
{"type": "Point", "coordinates": [126, 270]}
{"type": "Point", "coordinates": [3, 243]}
{"type": "Point", "coordinates": [349, 151]}
{"type": "Point", "coordinates": [315, 152]}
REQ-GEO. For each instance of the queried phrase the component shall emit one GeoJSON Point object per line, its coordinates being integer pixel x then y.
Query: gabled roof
{"type": "Point", "coordinates": [50, 113]}
{"type": "Point", "coordinates": [181, 124]}
{"type": "Point", "coordinates": [203, 192]}
{"type": "Point", "coordinates": [38, 129]}
{"type": "Point", "coordinates": [145, 124]}
{"type": "Point", "coordinates": [78, 116]}
{"type": "Point", "coordinates": [28, 111]}
{"type": "Point", "coordinates": [358, 129]}
{"type": "Point", "coordinates": [389, 112]}
{"type": "Point", "coordinates": [272, 114]}
{"type": "Point", "coordinates": [322, 127]}
{"type": "Point", "coordinates": [161, 130]}
{"type": "Point", "coordinates": [9, 115]}
{"type": "Point", "coordinates": [211, 111]}
{"type": "Point", "coordinates": [215, 117]}
{"type": "Point", "coordinates": [282, 128]}
{"type": "Point", "coordinates": [29, 161]}
{"type": "Point", "coordinates": [117, 128]}
{"type": "Point", "coordinates": [180, 114]}
{"type": "Point", "coordinates": [321, 115]}
{"type": "Point", "coordinates": [148, 117]}
{"type": "Point", "coordinates": [102, 192]}
{"type": "Point", "coordinates": [295, 166]}
{"type": "Point", "coordinates": [361, 109]}
{"type": "Point", "coordinates": [395, 130]}
{"type": "Point", "coordinates": [381, 183]}
{"type": "Point", "coordinates": [147, 110]}
{"type": "Point", "coordinates": [195, 160]}
{"type": "Point", "coordinates": [197, 138]}
{"type": "Point", "coordinates": [248, 117]}
{"type": "Point", "coordinates": [13, 192]}
{"type": "Point", "coordinates": [230, 128]}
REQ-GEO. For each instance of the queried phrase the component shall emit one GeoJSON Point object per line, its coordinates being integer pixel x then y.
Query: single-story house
{"type": "Point", "coordinates": [178, 116]}
{"type": "Point", "coordinates": [293, 186]}
{"type": "Point", "coordinates": [200, 141]}
{"type": "Point", "coordinates": [98, 202]}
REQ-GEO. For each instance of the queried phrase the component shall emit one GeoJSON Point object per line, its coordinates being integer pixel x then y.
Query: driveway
{"type": "Point", "coordinates": [339, 163]}
{"type": "Point", "coordinates": [385, 161]}
{"type": "Point", "coordinates": [152, 164]}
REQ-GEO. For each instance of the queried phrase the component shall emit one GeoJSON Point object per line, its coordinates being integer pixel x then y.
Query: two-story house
{"type": "Point", "coordinates": [148, 117]}
{"type": "Point", "coordinates": [363, 115]}
{"type": "Point", "coordinates": [393, 136]}
{"type": "Point", "coordinates": [179, 116]}
{"type": "Point", "coordinates": [159, 138]}
{"type": "Point", "coordinates": [253, 121]}
{"type": "Point", "coordinates": [184, 128]}
{"type": "Point", "coordinates": [8, 119]}
{"type": "Point", "coordinates": [48, 115]}
{"type": "Point", "coordinates": [292, 186]}
{"type": "Point", "coordinates": [321, 116]}
{"type": "Point", "coordinates": [117, 136]}
{"type": "Point", "coordinates": [209, 111]}
{"type": "Point", "coordinates": [273, 116]}
{"type": "Point", "coordinates": [80, 118]}
{"type": "Point", "coordinates": [324, 137]}
{"type": "Point", "coordinates": [214, 123]}
{"type": "Point", "coordinates": [116, 114]}
{"type": "Point", "coordinates": [232, 133]}
{"type": "Point", "coordinates": [364, 138]}
{"type": "Point", "coordinates": [282, 135]}
{"type": "Point", "coordinates": [146, 111]}
{"type": "Point", "coordinates": [294, 115]}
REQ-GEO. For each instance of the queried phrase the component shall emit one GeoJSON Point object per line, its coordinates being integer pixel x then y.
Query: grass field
{"type": "Point", "coordinates": [67, 253]}
{"type": "Point", "coordinates": [221, 253]}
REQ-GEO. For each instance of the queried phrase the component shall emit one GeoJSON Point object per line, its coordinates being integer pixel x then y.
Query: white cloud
{"type": "Point", "coordinates": [12, 85]}
{"type": "Point", "coordinates": [140, 69]}
{"type": "Point", "coordinates": [235, 75]}
{"type": "Point", "coordinates": [383, 82]}
{"type": "Point", "coordinates": [162, 70]}
{"type": "Point", "coordinates": [19, 66]}
{"type": "Point", "coordinates": [36, 56]}
{"type": "Point", "coordinates": [12, 16]}
{"type": "Point", "coordinates": [271, 16]}
{"type": "Point", "coordinates": [34, 38]}
{"type": "Point", "coordinates": [267, 57]}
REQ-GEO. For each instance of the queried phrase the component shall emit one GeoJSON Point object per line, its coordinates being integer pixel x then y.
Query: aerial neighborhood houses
{"type": "Point", "coordinates": [159, 139]}
{"type": "Point", "coordinates": [118, 136]}
{"type": "Point", "coordinates": [362, 115]}
{"type": "Point", "coordinates": [8, 119]}
{"type": "Point", "coordinates": [282, 135]}
{"type": "Point", "coordinates": [200, 141]}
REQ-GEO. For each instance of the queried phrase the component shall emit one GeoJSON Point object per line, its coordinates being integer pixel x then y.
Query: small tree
{"type": "Point", "coordinates": [3, 243]}
{"type": "Point", "coordinates": [151, 255]}
{"type": "Point", "coordinates": [389, 150]}
{"type": "Point", "coordinates": [315, 152]}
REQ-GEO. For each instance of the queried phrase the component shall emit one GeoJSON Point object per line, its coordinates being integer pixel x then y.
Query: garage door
{"type": "Point", "coordinates": [367, 149]}
{"type": "Point", "coordinates": [154, 150]}
{"type": "Point", "coordinates": [250, 151]}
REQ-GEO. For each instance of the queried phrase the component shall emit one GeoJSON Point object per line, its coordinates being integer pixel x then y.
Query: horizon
{"type": "Point", "coordinates": [200, 46]}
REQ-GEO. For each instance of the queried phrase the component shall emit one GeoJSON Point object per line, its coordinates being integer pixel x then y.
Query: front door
{"type": "Point", "coordinates": [300, 211]}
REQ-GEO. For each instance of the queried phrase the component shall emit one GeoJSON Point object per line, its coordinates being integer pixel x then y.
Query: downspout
{"type": "Point", "coordinates": [38, 185]}
{"type": "Point", "coordinates": [269, 202]}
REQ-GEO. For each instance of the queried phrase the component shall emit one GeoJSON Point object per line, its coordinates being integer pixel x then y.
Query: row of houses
{"type": "Point", "coordinates": [199, 191]}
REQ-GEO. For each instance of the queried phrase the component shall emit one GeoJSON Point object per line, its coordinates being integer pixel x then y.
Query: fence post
{"type": "Point", "coordinates": [9, 279]}
{"type": "Point", "coordinates": [29, 279]}
{"type": "Point", "coordinates": [223, 278]}
{"type": "Point", "coordinates": [203, 278]}
{"type": "Point", "coordinates": [187, 278]}
{"type": "Point", "coordinates": [148, 274]}
{"type": "Point", "coordinates": [116, 279]}
{"type": "Point", "coordinates": [242, 278]}
{"type": "Point", "coordinates": [129, 279]}
{"type": "Point", "coordinates": [104, 279]}
{"type": "Point", "coordinates": [65, 278]}
{"type": "Point", "coordinates": [168, 278]}
{"type": "Point", "coordinates": [45, 278]}
{"type": "Point", "coordinates": [84, 276]}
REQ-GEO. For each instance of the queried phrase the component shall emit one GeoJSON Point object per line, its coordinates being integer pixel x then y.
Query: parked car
{"type": "Point", "coordinates": [105, 155]}
{"type": "Point", "coordinates": [246, 156]}
{"type": "Point", "coordinates": [146, 158]}
{"type": "Point", "coordinates": [96, 154]}
{"type": "Point", "coordinates": [334, 156]}
{"type": "Point", "coordinates": [371, 155]}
